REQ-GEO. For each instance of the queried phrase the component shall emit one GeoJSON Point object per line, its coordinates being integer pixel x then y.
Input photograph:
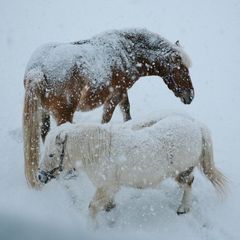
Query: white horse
{"type": "Point", "coordinates": [139, 156]}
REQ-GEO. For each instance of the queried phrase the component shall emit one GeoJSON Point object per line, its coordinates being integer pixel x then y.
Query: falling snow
{"type": "Point", "coordinates": [209, 32]}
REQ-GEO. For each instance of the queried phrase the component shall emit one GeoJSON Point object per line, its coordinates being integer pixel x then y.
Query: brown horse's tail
{"type": "Point", "coordinates": [218, 180]}
{"type": "Point", "coordinates": [34, 88]}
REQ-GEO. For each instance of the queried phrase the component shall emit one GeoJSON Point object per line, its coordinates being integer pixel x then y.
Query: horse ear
{"type": "Point", "coordinates": [61, 138]}
{"type": "Point", "coordinates": [58, 139]}
{"type": "Point", "coordinates": [65, 139]}
{"type": "Point", "coordinates": [178, 43]}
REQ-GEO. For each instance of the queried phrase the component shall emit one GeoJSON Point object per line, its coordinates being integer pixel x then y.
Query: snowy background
{"type": "Point", "coordinates": [209, 31]}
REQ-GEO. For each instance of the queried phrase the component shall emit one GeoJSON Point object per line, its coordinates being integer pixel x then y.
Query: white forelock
{"type": "Point", "coordinates": [185, 57]}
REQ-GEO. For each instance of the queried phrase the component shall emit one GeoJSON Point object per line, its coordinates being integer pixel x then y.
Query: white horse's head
{"type": "Point", "coordinates": [52, 162]}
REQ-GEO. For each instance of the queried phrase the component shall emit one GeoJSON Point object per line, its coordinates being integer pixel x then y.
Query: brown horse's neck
{"type": "Point", "coordinates": [150, 53]}
{"type": "Point", "coordinates": [151, 67]}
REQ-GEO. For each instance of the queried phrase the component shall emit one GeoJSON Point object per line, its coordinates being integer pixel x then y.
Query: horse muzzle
{"type": "Point", "coordinates": [187, 96]}
{"type": "Point", "coordinates": [43, 177]}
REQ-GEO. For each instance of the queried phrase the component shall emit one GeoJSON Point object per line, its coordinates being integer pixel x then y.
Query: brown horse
{"type": "Point", "coordinates": [62, 78]}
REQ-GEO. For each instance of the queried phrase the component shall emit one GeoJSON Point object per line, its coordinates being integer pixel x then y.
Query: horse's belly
{"type": "Point", "coordinates": [91, 99]}
{"type": "Point", "coordinates": [138, 180]}
{"type": "Point", "coordinates": [142, 175]}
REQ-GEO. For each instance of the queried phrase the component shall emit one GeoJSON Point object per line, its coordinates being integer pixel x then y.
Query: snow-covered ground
{"type": "Point", "coordinates": [209, 30]}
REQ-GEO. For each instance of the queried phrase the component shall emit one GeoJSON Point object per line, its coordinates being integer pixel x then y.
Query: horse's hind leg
{"type": "Point", "coordinates": [45, 127]}
{"type": "Point", "coordinates": [185, 179]}
{"type": "Point", "coordinates": [125, 107]}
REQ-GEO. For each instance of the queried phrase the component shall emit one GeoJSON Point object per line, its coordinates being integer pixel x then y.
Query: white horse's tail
{"type": "Point", "coordinates": [218, 180]}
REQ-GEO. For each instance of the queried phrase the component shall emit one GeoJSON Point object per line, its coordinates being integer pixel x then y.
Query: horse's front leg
{"type": "Point", "coordinates": [185, 179]}
{"type": "Point", "coordinates": [125, 107]}
{"type": "Point", "coordinates": [109, 107]}
{"type": "Point", "coordinates": [45, 127]}
{"type": "Point", "coordinates": [102, 200]}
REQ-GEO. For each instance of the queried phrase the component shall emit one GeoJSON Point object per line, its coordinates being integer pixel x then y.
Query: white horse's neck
{"type": "Point", "coordinates": [86, 146]}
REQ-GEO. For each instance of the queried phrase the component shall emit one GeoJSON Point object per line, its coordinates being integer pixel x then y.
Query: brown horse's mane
{"type": "Point", "coordinates": [97, 57]}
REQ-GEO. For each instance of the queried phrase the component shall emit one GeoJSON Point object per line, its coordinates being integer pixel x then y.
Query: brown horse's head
{"type": "Point", "coordinates": [176, 76]}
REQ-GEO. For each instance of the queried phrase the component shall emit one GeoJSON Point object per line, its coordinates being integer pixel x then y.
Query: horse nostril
{"type": "Point", "coordinates": [187, 96]}
{"type": "Point", "coordinates": [39, 177]}
{"type": "Point", "coordinates": [42, 177]}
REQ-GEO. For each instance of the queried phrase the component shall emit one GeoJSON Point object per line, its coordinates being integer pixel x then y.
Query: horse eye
{"type": "Point", "coordinates": [51, 155]}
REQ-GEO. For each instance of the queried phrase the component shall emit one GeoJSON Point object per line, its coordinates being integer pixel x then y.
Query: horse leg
{"type": "Point", "coordinates": [185, 179]}
{"type": "Point", "coordinates": [110, 205]}
{"type": "Point", "coordinates": [45, 127]}
{"type": "Point", "coordinates": [109, 107]}
{"type": "Point", "coordinates": [61, 116]}
{"type": "Point", "coordinates": [102, 200]}
{"type": "Point", "coordinates": [125, 107]}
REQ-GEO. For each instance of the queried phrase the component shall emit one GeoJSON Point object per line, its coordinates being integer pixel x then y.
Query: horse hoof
{"type": "Point", "coordinates": [182, 210]}
{"type": "Point", "coordinates": [180, 213]}
{"type": "Point", "coordinates": [109, 206]}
